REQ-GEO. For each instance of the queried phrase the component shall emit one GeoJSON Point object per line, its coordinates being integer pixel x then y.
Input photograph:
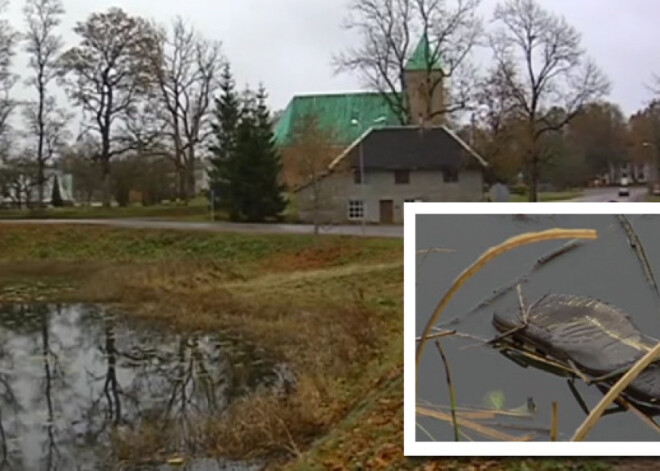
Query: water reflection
{"type": "Point", "coordinates": [607, 269]}
{"type": "Point", "coordinates": [70, 376]}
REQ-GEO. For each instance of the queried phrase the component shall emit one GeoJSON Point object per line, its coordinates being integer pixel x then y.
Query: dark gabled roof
{"type": "Point", "coordinates": [410, 148]}
{"type": "Point", "coordinates": [407, 148]}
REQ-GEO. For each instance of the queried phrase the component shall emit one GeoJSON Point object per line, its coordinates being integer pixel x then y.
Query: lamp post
{"type": "Point", "coordinates": [356, 122]}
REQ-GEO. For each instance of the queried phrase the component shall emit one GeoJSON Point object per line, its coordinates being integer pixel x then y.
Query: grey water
{"type": "Point", "coordinates": [72, 376]}
{"type": "Point", "coordinates": [606, 269]}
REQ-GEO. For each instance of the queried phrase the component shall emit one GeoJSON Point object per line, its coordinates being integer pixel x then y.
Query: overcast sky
{"type": "Point", "coordinates": [288, 44]}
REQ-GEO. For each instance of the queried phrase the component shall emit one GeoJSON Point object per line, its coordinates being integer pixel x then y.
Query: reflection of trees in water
{"type": "Point", "coordinates": [10, 406]}
{"type": "Point", "coordinates": [8, 402]}
{"type": "Point", "coordinates": [50, 372]}
{"type": "Point", "coordinates": [96, 372]}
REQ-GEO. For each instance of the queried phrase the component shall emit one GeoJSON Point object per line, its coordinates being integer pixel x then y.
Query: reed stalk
{"type": "Point", "coordinates": [591, 420]}
{"type": "Point", "coordinates": [489, 255]}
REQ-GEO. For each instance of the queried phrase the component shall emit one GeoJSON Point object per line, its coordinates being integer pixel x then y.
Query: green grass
{"type": "Point", "coordinates": [71, 243]}
{"type": "Point", "coordinates": [196, 210]}
{"type": "Point", "coordinates": [547, 197]}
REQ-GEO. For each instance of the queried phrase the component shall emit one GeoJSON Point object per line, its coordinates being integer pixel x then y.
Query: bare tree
{"type": "Point", "coordinates": [44, 119]}
{"type": "Point", "coordinates": [110, 77]}
{"type": "Point", "coordinates": [185, 69]}
{"type": "Point", "coordinates": [542, 63]}
{"type": "Point", "coordinates": [8, 39]}
{"type": "Point", "coordinates": [18, 179]}
{"type": "Point", "coordinates": [390, 31]}
{"type": "Point", "coordinates": [309, 155]}
{"type": "Point", "coordinates": [494, 126]}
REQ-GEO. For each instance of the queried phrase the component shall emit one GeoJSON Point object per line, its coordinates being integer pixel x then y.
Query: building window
{"type": "Point", "coordinates": [355, 210]}
{"type": "Point", "coordinates": [450, 175]}
{"type": "Point", "coordinates": [402, 177]}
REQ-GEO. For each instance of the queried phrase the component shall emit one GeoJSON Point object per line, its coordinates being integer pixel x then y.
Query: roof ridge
{"type": "Point", "coordinates": [332, 94]}
{"type": "Point", "coordinates": [331, 168]}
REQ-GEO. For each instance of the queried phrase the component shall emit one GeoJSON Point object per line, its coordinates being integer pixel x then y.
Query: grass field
{"type": "Point", "coordinates": [331, 308]}
{"type": "Point", "coordinates": [196, 210]}
{"type": "Point", "coordinates": [548, 197]}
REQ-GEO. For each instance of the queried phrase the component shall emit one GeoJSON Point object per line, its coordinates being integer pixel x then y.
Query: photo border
{"type": "Point", "coordinates": [458, 449]}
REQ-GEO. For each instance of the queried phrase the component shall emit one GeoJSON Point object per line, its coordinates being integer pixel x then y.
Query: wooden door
{"type": "Point", "coordinates": [387, 212]}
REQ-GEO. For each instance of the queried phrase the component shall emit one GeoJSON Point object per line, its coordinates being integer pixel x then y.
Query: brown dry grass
{"type": "Point", "coordinates": [330, 309]}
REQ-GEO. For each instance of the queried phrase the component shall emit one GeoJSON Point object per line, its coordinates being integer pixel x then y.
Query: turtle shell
{"type": "Point", "coordinates": [597, 337]}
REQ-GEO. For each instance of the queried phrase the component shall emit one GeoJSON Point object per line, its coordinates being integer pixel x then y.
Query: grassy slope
{"type": "Point", "coordinates": [331, 308]}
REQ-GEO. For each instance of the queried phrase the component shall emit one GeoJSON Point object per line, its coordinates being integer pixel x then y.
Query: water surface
{"type": "Point", "coordinates": [606, 269]}
{"type": "Point", "coordinates": [71, 376]}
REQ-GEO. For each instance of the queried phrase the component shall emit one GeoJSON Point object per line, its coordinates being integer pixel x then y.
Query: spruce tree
{"type": "Point", "coordinates": [56, 196]}
{"type": "Point", "coordinates": [225, 127]}
{"type": "Point", "coordinates": [245, 185]}
{"type": "Point", "coordinates": [271, 201]}
{"type": "Point", "coordinates": [246, 164]}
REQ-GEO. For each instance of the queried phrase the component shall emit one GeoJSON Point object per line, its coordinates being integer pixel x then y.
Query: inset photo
{"type": "Point", "coordinates": [532, 330]}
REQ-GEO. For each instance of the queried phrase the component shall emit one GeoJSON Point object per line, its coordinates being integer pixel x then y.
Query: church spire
{"type": "Point", "coordinates": [423, 54]}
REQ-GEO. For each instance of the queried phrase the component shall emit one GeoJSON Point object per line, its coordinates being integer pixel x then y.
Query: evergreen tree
{"type": "Point", "coordinates": [270, 200]}
{"type": "Point", "coordinates": [225, 127]}
{"type": "Point", "coordinates": [56, 197]}
{"type": "Point", "coordinates": [246, 166]}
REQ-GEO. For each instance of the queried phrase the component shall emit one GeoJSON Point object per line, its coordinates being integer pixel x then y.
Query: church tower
{"type": "Point", "coordinates": [425, 87]}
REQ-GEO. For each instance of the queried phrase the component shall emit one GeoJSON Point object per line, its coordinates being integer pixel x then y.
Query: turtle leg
{"type": "Point", "coordinates": [579, 372]}
{"type": "Point", "coordinates": [599, 379]}
{"type": "Point", "coordinates": [507, 353]}
{"type": "Point", "coordinates": [506, 334]}
{"type": "Point", "coordinates": [583, 405]}
{"type": "Point", "coordinates": [615, 409]}
{"type": "Point", "coordinates": [578, 397]}
{"type": "Point", "coordinates": [611, 375]}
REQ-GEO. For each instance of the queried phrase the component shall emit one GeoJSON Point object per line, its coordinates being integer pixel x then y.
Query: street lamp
{"type": "Point", "coordinates": [356, 122]}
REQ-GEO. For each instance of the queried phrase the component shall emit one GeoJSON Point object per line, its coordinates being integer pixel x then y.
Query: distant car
{"type": "Point", "coordinates": [623, 188]}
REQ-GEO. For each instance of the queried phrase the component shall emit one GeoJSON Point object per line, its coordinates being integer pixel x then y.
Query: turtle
{"type": "Point", "coordinates": [597, 341]}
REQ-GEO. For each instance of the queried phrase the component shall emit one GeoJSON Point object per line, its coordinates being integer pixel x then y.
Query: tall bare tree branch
{"type": "Point", "coordinates": [43, 118]}
{"type": "Point", "coordinates": [8, 40]}
{"type": "Point", "coordinates": [543, 66]}
{"type": "Point", "coordinates": [390, 30]}
{"type": "Point", "coordinates": [107, 75]}
{"type": "Point", "coordinates": [185, 69]}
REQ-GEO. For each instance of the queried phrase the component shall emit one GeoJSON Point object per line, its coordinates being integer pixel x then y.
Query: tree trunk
{"type": "Point", "coordinates": [181, 174]}
{"type": "Point", "coordinates": [190, 181]}
{"type": "Point", "coordinates": [534, 179]}
{"type": "Point", "coordinates": [40, 183]}
{"type": "Point", "coordinates": [316, 207]}
{"type": "Point", "coordinates": [105, 177]}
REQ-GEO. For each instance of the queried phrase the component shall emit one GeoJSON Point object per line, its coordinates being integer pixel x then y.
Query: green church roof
{"type": "Point", "coordinates": [335, 112]}
{"type": "Point", "coordinates": [421, 56]}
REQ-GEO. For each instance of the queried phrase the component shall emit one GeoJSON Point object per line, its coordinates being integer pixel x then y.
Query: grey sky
{"type": "Point", "coordinates": [288, 44]}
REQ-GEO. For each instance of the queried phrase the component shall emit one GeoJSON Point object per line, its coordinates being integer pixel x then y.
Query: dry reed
{"type": "Point", "coordinates": [489, 255]}
{"type": "Point", "coordinates": [590, 422]}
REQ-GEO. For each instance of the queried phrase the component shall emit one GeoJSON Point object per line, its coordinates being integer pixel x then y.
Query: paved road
{"type": "Point", "coordinates": [369, 231]}
{"type": "Point", "coordinates": [596, 195]}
